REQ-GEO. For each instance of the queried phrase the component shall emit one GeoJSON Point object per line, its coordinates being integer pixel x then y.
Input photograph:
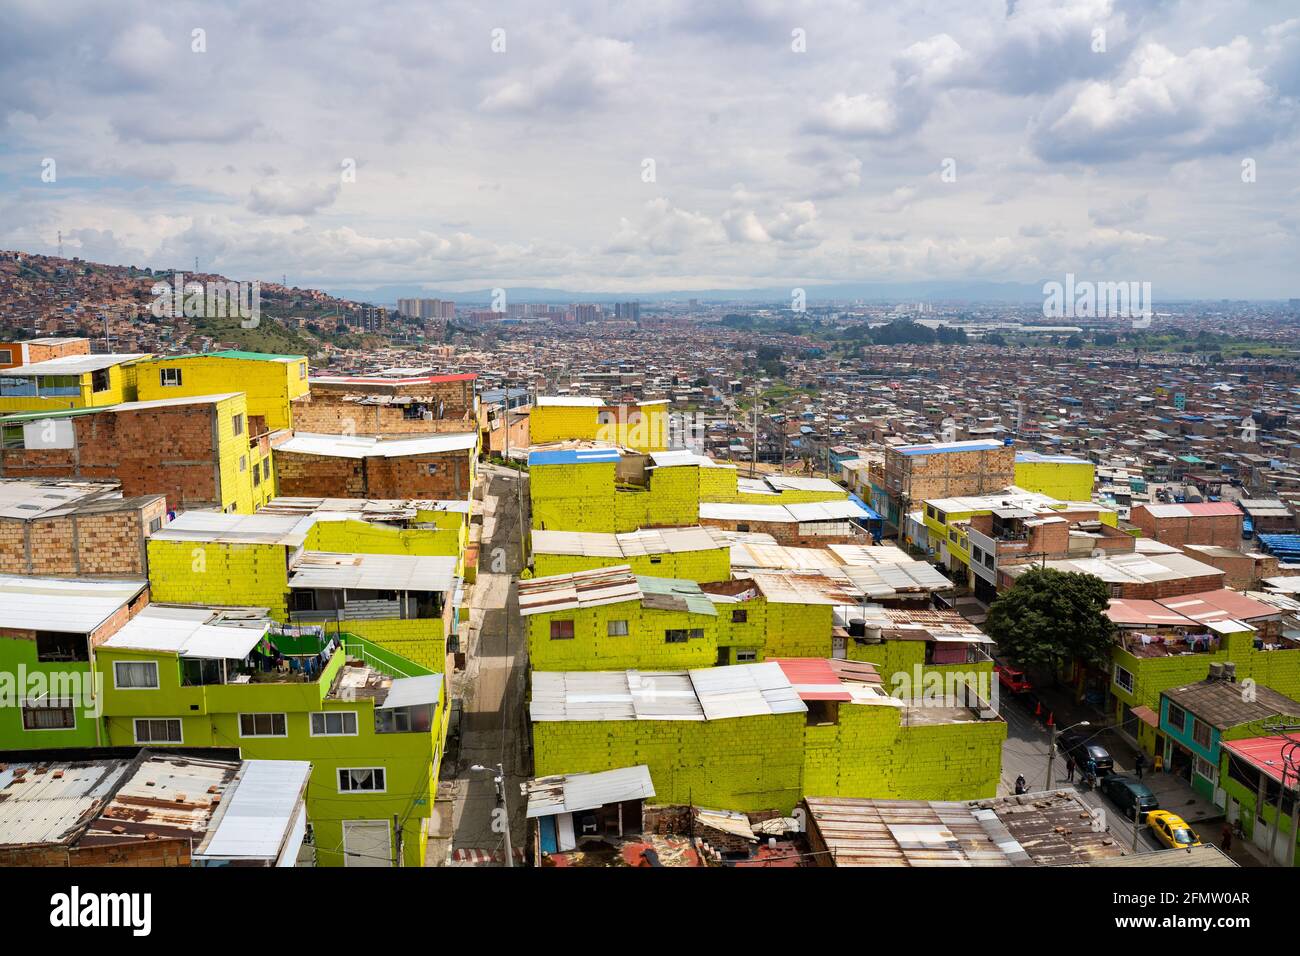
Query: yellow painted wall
{"type": "Point", "coordinates": [121, 388]}
{"type": "Point", "coordinates": [593, 649]}
{"type": "Point", "coordinates": [269, 386]}
{"type": "Point", "coordinates": [1061, 480]}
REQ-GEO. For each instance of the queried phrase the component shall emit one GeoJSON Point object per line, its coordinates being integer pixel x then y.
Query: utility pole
{"type": "Point", "coordinates": [1137, 813]}
{"type": "Point", "coordinates": [397, 832]}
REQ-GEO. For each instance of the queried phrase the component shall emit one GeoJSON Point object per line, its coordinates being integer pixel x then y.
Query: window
{"type": "Point", "coordinates": [742, 527]}
{"type": "Point", "coordinates": [746, 655]}
{"type": "Point", "coordinates": [6, 356]}
{"type": "Point", "coordinates": [617, 629]}
{"type": "Point", "coordinates": [1201, 732]}
{"type": "Point", "coordinates": [237, 424]}
{"type": "Point", "coordinates": [154, 731]}
{"type": "Point", "coordinates": [361, 780]}
{"type": "Point", "coordinates": [739, 617]}
{"type": "Point", "coordinates": [822, 712]}
{"type": "Point", "coordinates": [929, 511]}
{"type": "Point", "coordinates": [302, 370]}
{"type": "Point", "coordinates": [342, 723]}
{"type": "Point", "coordinates": [1123, 679]}
{"type": "Point", "coordinates": [135, 675]}
{"type": "Point", "coordinates": [262, 725]}
{"type": "Point", "coordinates": [266, 468]}
{"type": "Point", "coordinates": [681, 635]}
{"type": "Point", "coordinates": [257, 475]}
{"type": "Point", "coordinates": [155, 525]}
{"type": "Point", "coordinates": [433, 469]}
{"type": "Point", "coordinates": [58, 646]}
{"type": "Point", "coordinates": [415, 719]}
{"type": "Point", "coordinates": [49, 714]}
{"type": "Point", "coordinates": [243, 463]}
{"type": "Point", "coordinates": [1206, 769]}
{"type": "Point", "coordinates": [561, 630]}
{"type": "Point", "coordinates": [169, 377]}
{"type": "Point", "coordinates": [99, 381]}
{"type": "Point", "coordinates": [1177, 718]}
{"type": "Point", "coordinates": [656, 559]}
{"type": "Point", "coordinates": [12, 437]}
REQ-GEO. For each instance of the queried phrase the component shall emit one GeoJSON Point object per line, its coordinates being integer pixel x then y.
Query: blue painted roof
{"type": "Point", "coordinates": [871, 513]}
{"type": "Point", "coordinates": [938, 449]}
{"type": "Point", "coordinates": [573, 456]}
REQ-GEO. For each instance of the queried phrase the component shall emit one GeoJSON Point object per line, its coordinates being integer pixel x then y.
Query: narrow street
{"type": "Point", "coordinates": [491, 690]}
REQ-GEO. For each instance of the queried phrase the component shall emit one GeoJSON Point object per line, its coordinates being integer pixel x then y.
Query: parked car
{"type": "Point", "coordinates": [1128, 792]}
{"type": "Point", "coordinates": [1012, 679]}
{"type": "Point", "coordinates": [1078, 742]}
{"type": "Point", "coordinates": [1172, 830]}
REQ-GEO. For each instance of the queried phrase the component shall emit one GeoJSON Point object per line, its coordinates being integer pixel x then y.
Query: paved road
{"type": "Point", "coordinates": [1025, 752]}
{"type": "Point", "coordinates": [493, 725]}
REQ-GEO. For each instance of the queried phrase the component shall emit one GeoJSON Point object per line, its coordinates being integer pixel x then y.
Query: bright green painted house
{"type": "Point", "coordinates": [49, 628]}
{"type": "Point", "coordinates": [371, 724]}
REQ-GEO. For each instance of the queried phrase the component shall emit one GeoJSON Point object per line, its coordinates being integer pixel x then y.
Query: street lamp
{"type": "Point", "coordinates": [1051, 753]}
{"type": "Point", "coordinates": [499, 778]}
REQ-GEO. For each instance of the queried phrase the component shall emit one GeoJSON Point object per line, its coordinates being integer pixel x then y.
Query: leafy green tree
{"type": "Point", "coordinates": [1050, 618]}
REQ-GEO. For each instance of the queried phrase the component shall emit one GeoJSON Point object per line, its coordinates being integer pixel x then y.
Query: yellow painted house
{"type": "Point", "coordinates": [752, 737]}
{"type": "Point", "coordinates": [404, 602]}
{"type": "Point", "coordinates": [693, 554]}
{"type": "Point", "coordinates": [272, 383]}
{"type": "Point", "coordinates": [642, 426]}
{"type": "Point", "coordinates": [71, 382]}
{"type": "Point", "coordinates": [1063, 477]}
{"type": "Point", "coordinates": [601, 490]}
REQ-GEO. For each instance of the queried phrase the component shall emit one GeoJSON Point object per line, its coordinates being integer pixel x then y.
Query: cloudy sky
{"type": "Point", "coordinates": [655, 146]}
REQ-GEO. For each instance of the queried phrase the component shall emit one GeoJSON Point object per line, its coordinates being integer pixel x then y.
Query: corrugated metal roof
{"type": "Point", "coordinates": [593, 544]}
{"type": "Point", "coordinates": [73, 605]}
{"type": "Point", "coordinates": [379, 572]}
{"type": "Point", "coordinates": [74, 364]}
{"type": "Point", "coordinates": [573, 792]}
{"type": "Point", "coordinates": [199, 632]}
{"type": "Point", "coordinates": [28, 499]}
{"type": "Point", "coordinates": [574, 456]}
{"type": "Point", "coordinates": [714, 693]}
{"type": "Point", "coordinates": [591, 588]}
{"type": "Point", "coordinates": [288, 530]}
{"type": "Point", "coordinates": [54, 806]}
{"type": "Point", "coordinates": [413, 691]}
{"type": "Point", "coordinates": [354, 446]}
{"type": "Point", "coordinates": [256, 819]}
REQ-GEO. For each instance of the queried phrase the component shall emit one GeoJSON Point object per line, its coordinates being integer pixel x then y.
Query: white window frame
{"type": "Point", "coordinates": [1198, 762]}
{"type": "Point", "coordinates": [263, 713]}
{"type": "Point", "coordinates": [135, 731]}
{"type": "Point", "coordinates": [325, 715]}
{"type": "Point", "coordinates": [751, 655]}
{"type": "Point", "coordinates": [382, 771]}
{"type": "Point", "coordinates": [117, 682]}
{"type": "Point", "coordinates": [1115, 679]}
{"type": "Point", "coordinates": [165, 374]}
{"type": "Point", "coordinates": [611, 632]}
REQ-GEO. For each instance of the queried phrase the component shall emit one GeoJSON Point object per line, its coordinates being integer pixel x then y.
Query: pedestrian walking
{"type": "Point", "coordinates": [1069, 769]}
{"type": "Point", "coordinates": [1139, 765]}
{"type": "Point", "coordinates": [1225, 838]}
{"type": "Point", "coordinates": [1021, 786]}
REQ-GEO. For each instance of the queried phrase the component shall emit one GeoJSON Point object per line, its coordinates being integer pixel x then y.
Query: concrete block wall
{"type": "Point", "coordinates": [747, 764]}
{"type": "Point", "coordinates": [643, 648]}
{"type": "Point", "coordinates": [870, 753]}
{"type": "Point", "coordinates": [578, 497]}
{"type": "Point", "coordinates": [252, 575]}
{"type": "Point", "coordinates": [96, 543]}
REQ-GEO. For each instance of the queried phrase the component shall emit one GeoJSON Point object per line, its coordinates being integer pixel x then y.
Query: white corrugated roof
{"type": "Point", "coordinates": [353, 446]}
{"type": "Point", "coordinates": [192, 631]}
{"type": "Point", "coordinates": [413, 691]}
{"type": "Point", "coordinates": [73, 605]}
{"type": "Point", "coordinates": [256, 819]}
{"type": "Point", "coordinates": [378, 572]}
{"type": "Point", "coordinates": [573, 792]}
{"type": "Point", "coordinates": [712, 693]}
{"type": "Point", "coordinates": [569, 401]}
{"type": "Point", "coordinates": [73, 364]}
{"type": "Point", "coordinates": [288, 530]}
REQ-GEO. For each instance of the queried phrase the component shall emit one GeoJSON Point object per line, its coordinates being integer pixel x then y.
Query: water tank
{"type": "Point", "coordinates": [1229, 671]}
{"type": "Point", "coordinates": [1216, 671]}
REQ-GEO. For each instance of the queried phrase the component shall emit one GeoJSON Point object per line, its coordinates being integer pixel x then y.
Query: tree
{"type": "Point", "coordinates": [1050, 618]}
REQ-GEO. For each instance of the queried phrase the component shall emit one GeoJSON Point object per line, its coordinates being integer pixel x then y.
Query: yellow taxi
{"type": "Point", "coordinates": [1172, 830]}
